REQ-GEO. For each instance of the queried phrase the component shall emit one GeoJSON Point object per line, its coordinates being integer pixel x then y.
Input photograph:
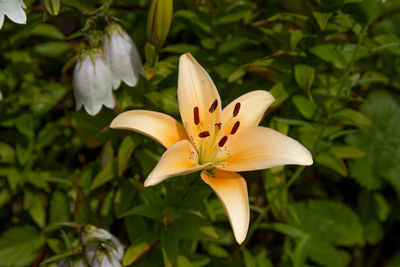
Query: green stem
{"type": "Point", "coordinates": [299, 170]}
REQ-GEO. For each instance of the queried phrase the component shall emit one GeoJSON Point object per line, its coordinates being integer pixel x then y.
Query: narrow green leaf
{"type": "Point", "coordinates": [322, 18]}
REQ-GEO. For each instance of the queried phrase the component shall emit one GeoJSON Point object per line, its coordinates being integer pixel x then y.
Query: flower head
{"type": "Point", "coordinates": [122, 56]}
{"type": "Point", "coordinates": [92, 83]}
{"type": "Point", "coordinates": [218, 142]}
{"type": "Point", "coordinates": [14, 10]}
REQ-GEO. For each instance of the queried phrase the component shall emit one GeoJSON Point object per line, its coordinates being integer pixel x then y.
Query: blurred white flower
{"type": "Point", "coordinates": [98, 252]}
{"type": "Point", "coordinates": [75, 263]}
{"type": "Point", "coordinates": [13, 9]}
{"type": "Point", "coordinates": [92, 83]}
{"type": "Point", "coordinates": [122, 56]}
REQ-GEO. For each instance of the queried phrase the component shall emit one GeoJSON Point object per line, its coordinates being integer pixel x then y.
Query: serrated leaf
{"type": "Point", "coordinates": [328, 221]}
{"type": "Point", "coordinates": [380, 141]}
{"type": "Point", "coordinates": [18, 241]}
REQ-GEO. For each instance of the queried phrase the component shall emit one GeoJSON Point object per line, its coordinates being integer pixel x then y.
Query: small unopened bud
{"type": "Point", "coordinates": [158, 21]}
{"type": "Point", "coordinates": [52, 6]}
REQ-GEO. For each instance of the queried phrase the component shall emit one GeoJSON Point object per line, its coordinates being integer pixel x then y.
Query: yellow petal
{"type": "Point", "coordinates": [196, 89]}
{"type": "Point", "coordinates": [231, 189]}
{"type": "Point", "coordinates": [259, 148]}
{"type": "Point", "coordinates": [162, 128]}
{"type": "Point", "coordinates": [180, 159]}
{"type": "Point", "coordinates": [252, 108]}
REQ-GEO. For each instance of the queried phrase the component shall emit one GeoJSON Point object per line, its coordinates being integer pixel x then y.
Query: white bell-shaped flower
{"type": "Point", "coordinates": [121, 54]}
{"type": "Point", "coordinates": [98, 252]}
{"type": "Point", "coordinates": [92, 83]}
{"type": "Point", "coordinates": [14, 10]}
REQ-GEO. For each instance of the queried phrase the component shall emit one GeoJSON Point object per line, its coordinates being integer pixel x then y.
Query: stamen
{"type": "Point", "coordinates": [204, 134]}
{"type": "Point", "coordinates": [218, 124]}
{"type": "Point", "coordinates": [213, 106]}
{"type": "Point", "coordinates": [235, 127]}
{"type": "Point", "coordinates": [222, 142]}
{"type": "Point", "coordinates": [196, 115]}
{"type": "Point", "coordinates": [236, 109]}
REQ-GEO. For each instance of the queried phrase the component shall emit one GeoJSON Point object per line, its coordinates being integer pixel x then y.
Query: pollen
{"type": "Point", "coordinates": [235, 127]}
{"type": "Point", "coordinates": [218, 124]}
{"type": "Point", "coordinates": [204, 134]}
{"type": "Point", "coordinates": [236, 109]}
{"type": "Point", "coordinates": [196, 115]}
{"type": "Point", "coordinates": [222, 142]}
{"type": "Point", "coordinates": [214, 106]}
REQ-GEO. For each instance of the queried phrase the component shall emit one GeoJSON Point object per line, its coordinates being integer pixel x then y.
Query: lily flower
{"type": "Point", "coordinates": [14, 10]}
{"type": "Point", "coordinates": [218, 142]}
{"type": "Point", "coordinates": [92, 83]}
{"type": "Point", "coordinates": [121, 54]}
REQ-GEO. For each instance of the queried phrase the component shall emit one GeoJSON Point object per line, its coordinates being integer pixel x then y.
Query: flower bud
{"type": "Point", "coordinates": [92, 83]}
{"type": "Point", "coordinates": [52, 6]}
{"type": "Point", "coordinates": [13, 9]}
{"type": "Point", "coordinates": [158, 21]}
{"type": "Point", "coordinates": [122, 56]}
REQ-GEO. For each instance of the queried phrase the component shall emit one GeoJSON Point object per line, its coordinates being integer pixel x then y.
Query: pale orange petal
{"type": "Point", "coordinates": [162, 128]}
{"type": "Point", "coordinates": [180, 159]}
{"type": "Point", "coordinates": [252, 108]}
{"type": "Point", "coordinates": [259, 148]}
{"type": "Point", "coordinates": [196, 89]}
{"type": "Point", "coordinates": [231, 189]}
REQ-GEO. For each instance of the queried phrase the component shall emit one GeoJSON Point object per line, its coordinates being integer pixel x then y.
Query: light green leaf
{"type": "Point", "coordinates": [304, 76]}
{"type": "Point", "coordinates": [333, 162]}
{"type": "Point", "coordinates": [19, 246]}
{"type": "Point", "coordinates": [307, 108]}
{"type": "Point", "coordinates": [322, 18]}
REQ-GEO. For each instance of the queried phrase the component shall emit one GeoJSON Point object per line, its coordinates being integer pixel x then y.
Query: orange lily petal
{"type": "Point", "coordinates": [231, 189]}
{"type": "Point", "coordinates": [260, 148]}
{"type": "Point", "coordinates": [180, 159]}
{"type": "Point", "coordinates": [252, 108]}
{"type": "Point", "coordinates": [162, 128]}
{"type": "Point", "coordinates": [197, 90]}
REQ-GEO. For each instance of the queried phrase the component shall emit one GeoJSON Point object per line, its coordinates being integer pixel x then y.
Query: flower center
{"type": "Point", "coordinates": [213, 141]}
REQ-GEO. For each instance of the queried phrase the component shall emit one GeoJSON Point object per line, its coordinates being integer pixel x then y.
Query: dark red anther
{"type": "Point", "coordinates": [213, 106]}
{"type": "Point", "coordinates": [218, 124]}
{"type": "Point", "coordinates": [222, 142]}
{"type": "Point", "coordinates": [235, 127]}
{"type": "Point", "coordinates": [236, 109]}
{"type": "Point", "coordinates": [204, 134]}
{"type": "Point", "coordinates": [196, 115]}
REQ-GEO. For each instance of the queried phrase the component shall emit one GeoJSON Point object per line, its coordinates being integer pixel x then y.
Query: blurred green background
{"type": "Point", "coordinates": [334, 69]}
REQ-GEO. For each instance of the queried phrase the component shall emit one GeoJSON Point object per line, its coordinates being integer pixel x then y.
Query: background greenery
{"type": "Point", "coordinates": [333, 67]}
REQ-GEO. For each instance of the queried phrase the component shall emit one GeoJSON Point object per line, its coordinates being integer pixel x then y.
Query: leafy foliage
{"type": "Point", "coordinates": [333, 69]}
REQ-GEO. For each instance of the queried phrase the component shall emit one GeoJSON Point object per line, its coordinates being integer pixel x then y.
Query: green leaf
{"type": "Point", "coordinates": [139, 248]}
{"type": "Point", "coordinates": [169, 247]}
{"type": "Point", "coordinates": [322, 18]}
{"type": "Point", "coordinates": [327, 255]}
{"type": "Point", "coordinates": [33, 204]}
{"type": "Point", "coordinates": [307, 108]}
{"type": "Point", "coordinates": [7, 153]}
{"type": "Point", "coordinates": [333, 162]}
{"type": "Point", "coordinates": [152, 211]}
{"type": "Point", "coordinates": [351, 117]}
{"type": "Point", "coordinates": [380, 142]}
{"type": "Point", "coordinates": [47, 30]}
{"type": "Point", "coordinates": [52, 49]}
{"type": "Point", "coordinates": [104, 176]}
{"type": "Point", "coordinates": [284, 229]}
{"type": "Point", "coordinates": [125, 151]}
{"type": "Point", "coordinates": [330, 53]}
{"type": "Point", "coordinates": [304, 76]}
{"type": "Point", "coordinates": [328, 221]}
{"type": "Point", "coordinates": [279, 93]}
{"type": "Point", "coordinates": [52, 6]}
{"type": "Point", "coordinates": [347, 152]}
{"type": "Point", "coordinates": [59, 207]}
{"type": "Point", "coordinates": [19, 246]}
